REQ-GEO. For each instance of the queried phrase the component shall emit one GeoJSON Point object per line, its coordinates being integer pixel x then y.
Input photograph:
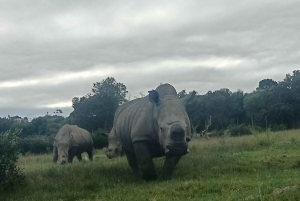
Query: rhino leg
{"type": "Point", "coordinates": [169, 165]}
{"type": "Point", "coordinates": [144, 160]}
{"type": "Point", "coordinates": [72, 153]}
{"type": "Point", "coordinates": [79, 157]}
{"type": "Point", "coordinates": [55, 154]}
{"type": "Point", "coordinates": [90, 153]}
{"type": "Point", "coordinates": [131, 158]}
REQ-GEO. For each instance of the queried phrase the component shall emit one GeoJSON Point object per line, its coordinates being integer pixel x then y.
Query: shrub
{"type": "Point", "coordinates": [99, 139]}
{"type": "Point", "coordinates": [257, 129]}
{"type": "Point", "coordinates": [264, 139]}
{"type": "Point", "coordinates": [10, 174]}
{"type": "Point", "coordinates": [280, 127]}
{"type": "Point", "coordinates": [239, 130]}
{"type": "Point", "coordinates": [36, 144]}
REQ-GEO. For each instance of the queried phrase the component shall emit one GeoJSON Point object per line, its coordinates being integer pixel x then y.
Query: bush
{"type": "Point", "coordinates": [257, 129]}
{"type": "Point", "coordinates": [239, 130]}
{"type": "Point", "coordinates": [265, 139]}
{"type": "Point", "coordinates": [99, 139]}
{"type": "Point", "coordinates": [280, 127]}
{"type": "Point", "coordinates": [36, 144]}
{"type": "Point", "coordinates": [10, 174]}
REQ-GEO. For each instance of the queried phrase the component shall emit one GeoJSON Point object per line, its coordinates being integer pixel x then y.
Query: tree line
{"type": "Point", "coordinates": [272, 105]}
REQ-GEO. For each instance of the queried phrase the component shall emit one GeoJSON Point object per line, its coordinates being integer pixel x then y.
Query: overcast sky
{"type": "Point", "coordinates": [52, 51]}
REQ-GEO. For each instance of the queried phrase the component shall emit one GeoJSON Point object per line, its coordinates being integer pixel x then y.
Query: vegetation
{"type": "Point", "coordinates": [272, 105]}
{"type": "Point", "coordinates": [262, 166]}
{"type": "Point", "coordinates": [10, 174]}
{"type": "Point", "coordinates": [96, 110]}
{"type": "Point", "coordinates": [257, 164]}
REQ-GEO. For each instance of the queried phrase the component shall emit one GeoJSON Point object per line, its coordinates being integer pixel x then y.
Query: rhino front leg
{"type": "Point", "coordinates": [169, 165]}
{"type": "Point", "coordinates": [55, 154]}
{"type": "Point", "coordinates": [132, 161]}
{"type": "Point", "coordinates": [72, 153]}
{"type": "Point", "coordinates": [145, 161]}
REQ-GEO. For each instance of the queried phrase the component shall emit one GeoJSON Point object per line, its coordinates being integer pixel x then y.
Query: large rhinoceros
{"type": "Point", "coordinates": [154, 126]}
{"type": "Point", "coordinates": [72, 141]}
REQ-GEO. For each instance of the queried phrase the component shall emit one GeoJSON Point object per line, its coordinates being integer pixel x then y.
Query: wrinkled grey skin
{"type": "Point", "coordinates": [154, 126]}
{"type": "Point", "coordinates": [72, 141]}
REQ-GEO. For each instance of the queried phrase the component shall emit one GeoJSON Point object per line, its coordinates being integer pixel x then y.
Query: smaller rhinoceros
{"type": "Point", "coordinates": [72, 141]}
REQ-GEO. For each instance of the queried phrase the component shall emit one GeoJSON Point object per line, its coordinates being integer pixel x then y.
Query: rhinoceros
{"type": "Point", "coordinates": [154, 126]}
{"type": "Point", "coordinates": [72, 141]}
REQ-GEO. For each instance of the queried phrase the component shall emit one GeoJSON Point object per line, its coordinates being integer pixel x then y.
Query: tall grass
{"type": "Point", "coordinates": [257, 167]}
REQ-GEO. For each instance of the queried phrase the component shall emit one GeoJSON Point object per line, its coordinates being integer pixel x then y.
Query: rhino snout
{"type": "Point", "coordinates": [177, 132]}
{"type": "Point", "coordinates": [177, 149]}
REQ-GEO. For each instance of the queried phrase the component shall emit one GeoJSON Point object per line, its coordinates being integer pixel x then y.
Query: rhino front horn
{"type": "Point", "coordinates": [167, 151]}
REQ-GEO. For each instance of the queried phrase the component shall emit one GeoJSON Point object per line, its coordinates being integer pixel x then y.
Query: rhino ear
{"type": "Point", "coordinates": [154, 97]}
{"type": "Point", "coordinates": [189, 98]}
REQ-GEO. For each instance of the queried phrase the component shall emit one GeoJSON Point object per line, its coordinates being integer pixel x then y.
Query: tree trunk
{"type": "Point", "coordinates": [194, 129]}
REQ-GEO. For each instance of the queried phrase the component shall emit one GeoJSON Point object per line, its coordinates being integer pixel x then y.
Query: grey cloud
{"type": "Point", "coordinates": [264, 34]}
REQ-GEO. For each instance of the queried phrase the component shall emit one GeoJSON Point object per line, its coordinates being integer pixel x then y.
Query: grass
{"type": "Point", "coordinates": [257, 167]}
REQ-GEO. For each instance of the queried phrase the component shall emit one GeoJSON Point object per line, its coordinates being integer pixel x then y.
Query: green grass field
{"type": "Point", "coordinates": [257, 167]}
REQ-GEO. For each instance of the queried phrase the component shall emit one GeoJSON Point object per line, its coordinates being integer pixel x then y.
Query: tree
{"type": "Point", "coordinates": [96, 110]}
{"type": "Point", "coordinates": [266, 84]}
{"type": "Point", "coordinates": [182, 93]}
{"type": "Point", "coordinates": [110, 88]}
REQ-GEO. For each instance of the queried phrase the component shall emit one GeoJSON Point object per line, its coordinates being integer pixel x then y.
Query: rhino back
{"type": "Point", "coordinates": [80, 136]}
{"type": "Point", "coordinates": [63, 134]}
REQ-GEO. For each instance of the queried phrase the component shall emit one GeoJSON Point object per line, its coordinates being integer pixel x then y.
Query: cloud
{"type": "Point", "coordinates": [52, 51]}
{"type": "Point", "coordinates": [58, 79]}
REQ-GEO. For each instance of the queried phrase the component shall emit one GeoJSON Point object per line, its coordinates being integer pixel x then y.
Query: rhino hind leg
{"type": "Point", "coordinates": [90, 153]}
{"type": "Point", "coordinates": [169, 165]}
{"type": "Point", "coordinates": [55, 154]}
{"type": "Point", "coordinates": [144, 159]}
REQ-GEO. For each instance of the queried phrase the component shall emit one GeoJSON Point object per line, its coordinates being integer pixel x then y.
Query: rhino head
{"type": "Point", "coordinates": [171, 121]}
{"type": "Point", "coordinates": [63, 147]}
{"type": "Point", "coordinates": [114, 147]}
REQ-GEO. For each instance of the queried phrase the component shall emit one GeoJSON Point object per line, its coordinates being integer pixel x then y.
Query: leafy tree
{"type": "Point", "coordinates": [266, 84]}
{"type": "Point", "coordinates": [255, 106]}
{"type": "Point", "coordinates": [237, 112]}
{"type": "Point", "coordinates": [5, 124]}
{"type": "Point", "coordinates": [110, 88]}
{"type": "Point", "coordinates": [96, 110]}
